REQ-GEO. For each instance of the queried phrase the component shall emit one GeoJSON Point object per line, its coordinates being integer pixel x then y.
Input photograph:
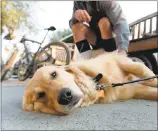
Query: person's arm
{"type": "Point", "coordinates": [73, 20]}
{"type": "Point", "coordinates": [118, 20]}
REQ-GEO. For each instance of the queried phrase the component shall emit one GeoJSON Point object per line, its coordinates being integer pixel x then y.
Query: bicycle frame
{"type": "Point", "coordinates": [33, 41]}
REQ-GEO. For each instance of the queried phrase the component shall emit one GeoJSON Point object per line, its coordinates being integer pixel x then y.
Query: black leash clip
{"type": "Point", "coordinates": [98, 77]}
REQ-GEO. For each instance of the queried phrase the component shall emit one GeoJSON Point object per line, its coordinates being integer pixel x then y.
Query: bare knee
{"type": "Point", "coordinates": [105, 28]}
{"type": "Point", "coordinates": [79, 27]}
{"type": "Point", "coordinates": [79, 31]}
{"type": "Point", "coordinates": [104, 23]}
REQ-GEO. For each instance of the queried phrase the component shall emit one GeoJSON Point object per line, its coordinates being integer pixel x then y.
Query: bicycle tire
{"type": "Point", "coordinates": [61, 44]}
{"type": "Point", "coordinates": [22, 77]}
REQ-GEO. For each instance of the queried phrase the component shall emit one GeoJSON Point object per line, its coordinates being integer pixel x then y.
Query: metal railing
{"type": "Point", "coordinates": [146, 26]}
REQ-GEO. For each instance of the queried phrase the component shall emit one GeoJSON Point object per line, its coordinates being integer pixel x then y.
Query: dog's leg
{"type": "Point", "coordinates": [136, 91]}
{"type": "Point", "coordinates": [138, 69]}
{"type": "Point", "coordinates": [92, 73]}
{"type": "Point", "coordinates": [133, 77]}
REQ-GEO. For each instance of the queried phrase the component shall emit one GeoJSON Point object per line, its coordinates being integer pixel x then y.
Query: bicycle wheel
{"type": "Point", "coordinates": [22, 76]}
{"type": "Point", "coordinates": [60, 53]}
{"type": "Point", "coordinates": [24, 68]}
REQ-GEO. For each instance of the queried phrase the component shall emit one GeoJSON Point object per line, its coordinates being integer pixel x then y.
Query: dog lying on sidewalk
{"type": "Point", "coordinates": [58, 90]}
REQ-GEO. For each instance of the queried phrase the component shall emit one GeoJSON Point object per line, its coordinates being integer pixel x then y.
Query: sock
{"type": "Point", "coordinates": [83, 46]}
{"type": "Point", "coordinates": [95, 46]}
{"type": "Point", "coordinates": [108, 44]}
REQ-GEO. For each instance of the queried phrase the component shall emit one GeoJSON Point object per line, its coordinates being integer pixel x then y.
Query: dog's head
{"type": "Point", "coordinates": [52, 90]}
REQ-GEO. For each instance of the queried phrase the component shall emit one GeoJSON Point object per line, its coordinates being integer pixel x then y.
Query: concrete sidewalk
{"type": "Point", "coordinates": [129, 115]}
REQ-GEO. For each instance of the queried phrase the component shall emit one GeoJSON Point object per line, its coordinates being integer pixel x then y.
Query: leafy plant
{"type": "Point", "coordinates": [15, 14]}
{"type": "Point", "coordinates": [60, 34]}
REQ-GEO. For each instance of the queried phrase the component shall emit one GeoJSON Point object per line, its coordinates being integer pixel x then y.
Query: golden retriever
{"type": "Point", "coordinates": [59, 90]}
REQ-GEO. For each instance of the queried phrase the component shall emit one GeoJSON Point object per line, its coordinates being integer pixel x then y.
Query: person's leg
{"type": "Point", "coordinates": [107, 41]}
{"type": "Point", "coordinates": [83, 35]}
{"type": "Point", "coordinates": [105, 28]}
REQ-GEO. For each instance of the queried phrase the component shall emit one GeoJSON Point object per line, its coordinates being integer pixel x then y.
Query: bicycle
{"type": "Point", "coordinates": [30, 62]}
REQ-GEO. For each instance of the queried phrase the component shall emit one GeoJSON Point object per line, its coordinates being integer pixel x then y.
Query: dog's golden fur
{"type": "Point", "coordinates": [78, 77]}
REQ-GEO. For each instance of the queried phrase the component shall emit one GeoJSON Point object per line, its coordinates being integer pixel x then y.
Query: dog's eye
{"type": "Point", "coordinates": [40, 95]}
{"type": "Point", "coordinates": [54, 74]}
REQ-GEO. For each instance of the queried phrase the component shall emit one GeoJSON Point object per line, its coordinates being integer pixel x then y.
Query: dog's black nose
{"type": "Point", "coordinates": [65, 96]}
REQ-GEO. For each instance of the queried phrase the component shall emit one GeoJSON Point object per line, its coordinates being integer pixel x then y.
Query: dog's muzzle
{"type": "Point", "coordinates": [67, 97]}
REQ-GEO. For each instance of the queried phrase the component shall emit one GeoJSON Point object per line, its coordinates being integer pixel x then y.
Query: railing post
{"type": "Point", "coordinates": [144, 27]}
{"type": "Point", "coordinates": [150, 25]}
{"type": "Point", "coordinates": [138, 30]}
{"type": "Point", "coordinates": [133, 29]}
{"type": "Point", "coordinates": [157, 24]}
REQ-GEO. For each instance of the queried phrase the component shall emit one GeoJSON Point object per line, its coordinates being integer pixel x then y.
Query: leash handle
{"type": "Point", "coordinates": [141, 79]}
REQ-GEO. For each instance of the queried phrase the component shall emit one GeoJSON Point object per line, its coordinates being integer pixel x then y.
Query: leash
{"type": "Point", "coordinates": [102, 86]}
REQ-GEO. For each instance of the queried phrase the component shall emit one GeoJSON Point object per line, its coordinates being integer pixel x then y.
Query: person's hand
{"type": "Point", "coordinates": [82, 16]}
{"type": "Point", "coordinates": [122, 52]}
